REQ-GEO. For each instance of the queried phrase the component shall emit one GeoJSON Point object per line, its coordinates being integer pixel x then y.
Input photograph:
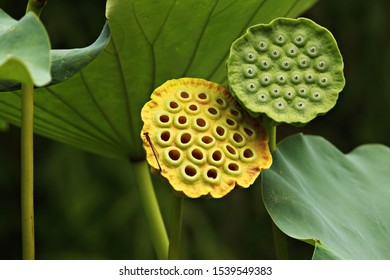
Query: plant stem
{"type": "Point", "coordinates": [153, 215]}
{"type": "Point", "coordinates": [280, 239]}
{"type": "Point", "coordinates": [176, 223]}
{"type": "Point", "coordinates": [27, 172]}
{"type": "Point", "coordinates": [36, 6]}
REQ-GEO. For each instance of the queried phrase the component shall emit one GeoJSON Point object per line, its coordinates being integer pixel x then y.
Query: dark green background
{"type": "Point", "coordinates": [86, 206]}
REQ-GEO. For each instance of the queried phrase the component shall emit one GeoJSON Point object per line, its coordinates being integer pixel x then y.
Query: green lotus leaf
{"type": "Point", "coordinates": [24, 50]}
{"type": "Point", "coordinates": [339, 202]}
{"type": "Point", "coordinates": [290, 69]}
{"type": "Point", "coordinates": [99, 108]}
{"type": "Point", "coordinates": [66, 63]}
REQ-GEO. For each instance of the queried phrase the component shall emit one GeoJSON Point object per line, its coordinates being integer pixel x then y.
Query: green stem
{"type": "Point", "coordinates": [280, 239]}
{"type": "Point", "coordinates": [27, 172]}
{"type": "Point", "coordinates": [175, 233]}
{"type": "Point", "coordinates": [153, 215]}
{"type": "Point", "coordinates": [27, 156]}
{"type": "Point", "coordinates": [36, 6]}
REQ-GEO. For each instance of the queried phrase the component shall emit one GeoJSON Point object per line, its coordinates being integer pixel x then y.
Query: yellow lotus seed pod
{"type": "Point", "coordinates": [201, 140]}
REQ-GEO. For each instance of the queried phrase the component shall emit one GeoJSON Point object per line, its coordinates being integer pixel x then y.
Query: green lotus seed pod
{"type": "Point", "coordinates": [290, 69]}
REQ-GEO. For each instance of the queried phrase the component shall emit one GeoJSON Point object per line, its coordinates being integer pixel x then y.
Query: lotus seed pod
{"type": "Point", "coordinates": [290, 69]}
{"type": "Point", "coordinates": [201, 140]}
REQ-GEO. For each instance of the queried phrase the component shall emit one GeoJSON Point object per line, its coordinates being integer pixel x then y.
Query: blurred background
{"type": "Point", "coordinates": [86, 206]}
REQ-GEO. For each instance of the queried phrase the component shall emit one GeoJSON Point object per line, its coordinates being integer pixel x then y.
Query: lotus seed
{"type": "Point", "coordinates": [312, 51]}
{"type": "Point", "coordinates": [299, 40]}
{"type": "Point", "coordinates": [252, 86]}
{"type": "Point", "coordinates": [250, 71]}
{"type": "Point", "coordinates": [280, 39]}
{"type": "Point", "coordinates": [300, 105]}
{"type": "Point", "coordinates": [321, 65]}
{"type": "Point", "coordinates": [250, 57]}
{"type": "Point", "coordinates": [275, 54]}
{"type": "Point", "coordinates": [285, 65]}
{"type": "Point", "coordinates": [279, 105]}
{"type": "Point", "coordinates": [295, 78]}
{"type": "Point", "coordinates": [265, 64]}
{"type": "Point", "coordinates": [323, 81]}
{"type": "Point", "coordinates": [316, 96]}
{"type": "Point", "coordinates": [289, 94]}
{"type": "Point", "coordinates": [275, 92]}
{"type": "Point", "coordinates": [265, 80]}
{"type": "Point", "coordinates": [309, 77]}
{"type": "Point", "coordinates": [281, 79]}
{"type": "Point", "coordinates": [262, 45]}
{"type": "Point", "coordinates": [263, 97]}
{"type": "Point", "coordinates": [302, 91]}
{"type": "Point", "coordinates": [303, 62]}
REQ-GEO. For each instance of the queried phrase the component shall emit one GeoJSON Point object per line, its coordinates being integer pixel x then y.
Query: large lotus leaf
{"type": "Point", "coordinates": [99, 109]}
{"type": "Point", "coordinates": [24, 50]}
{"type": "Point", "coordinates": [340, 202]}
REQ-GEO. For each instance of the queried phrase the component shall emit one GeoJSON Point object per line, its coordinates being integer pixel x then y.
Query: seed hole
{"type": "Point", "coordinates": [213, 111]}
{"type": "Point", "coordinates": [193, 107]}
{"type": "Point", "coordinates": [231, 150]}
{"type": "Point", "coordinates": [164, 118]}
{"type": "Point", "coordinates": [230, 122]}
{"type": "Point", "coordinates": [173, 105]}
{"type": "Point", "coordinates": [233, 167]}
{"type": "Point", "coordinates": [201, 122]}
{"type": "Point", "coordinates": [238, 137]}
{"type": "Point", "coordinates": [165, 136]}
{"type": "Point", "coordinates": [174, 155]}
{"type": "Point", "coordinates": [202, 96]}
{"type": "Point", "coordinates": [197, 154]}
{"type": "Point", "coordinates": [207, 139]}
{"type": "Point", "coordinates": [184, 95]}
{"type": "Point", "coordinates": [182, 119]}
{"type": "Point", "coordinates": [248, 153]}
{"type": "Point", "coordinates": [248, 131]}
{"type": "Point", "coordinates": [251, 56]}
{"type": "Point", "coordinates": [185, 138]}
{"type": "Point", "coordinates": [190, 171]}
{"type": "Point", "coordinates": [217, 155]}
{"type": "Point", "coordinates": [220, 131]}
{"type": "Point", "coordinates": [235, 113]}
{"type": "Point", "coordinates": [212, 173]}
{"type": "Point", "coordinates": [220, 101]}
